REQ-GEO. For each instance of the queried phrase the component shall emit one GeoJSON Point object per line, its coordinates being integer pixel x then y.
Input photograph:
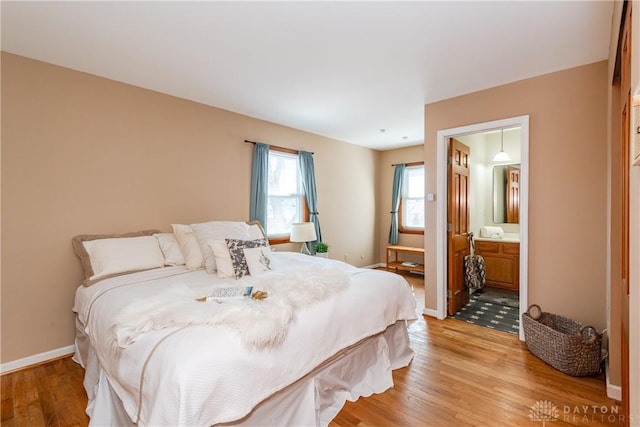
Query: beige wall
{"type": "Point", "coordinates": [567, 183]}
{"type": "Point", "coordinates": [385, 182]}
{"type": "Point", "coordinates": [615, 224]}
{"type": "Point", "coordinates": [83, 154]}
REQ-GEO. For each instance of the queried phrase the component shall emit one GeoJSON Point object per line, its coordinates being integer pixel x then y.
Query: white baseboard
{"type": "Point", "coordinates": [430, 312]}
{"type": "Point", "coordinates": [380, 264]}
{"type": "Point", "coordinates": [613, 391]}
{"type": "Point", "coordinates": [37, 358]}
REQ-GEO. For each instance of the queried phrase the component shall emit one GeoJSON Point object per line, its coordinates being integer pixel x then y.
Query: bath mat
{"type": "Point", "coordinates": [490, 315]}
{"type": "Point", "coordinates": [498, 297]}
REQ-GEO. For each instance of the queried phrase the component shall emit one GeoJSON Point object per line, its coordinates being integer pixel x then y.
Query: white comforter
{"type": "Point", "coordinates": [204, 374]}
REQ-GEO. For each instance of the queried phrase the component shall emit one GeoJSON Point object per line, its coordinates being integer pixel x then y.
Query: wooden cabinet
{"type": "Point", "coordinates": [503, 263]}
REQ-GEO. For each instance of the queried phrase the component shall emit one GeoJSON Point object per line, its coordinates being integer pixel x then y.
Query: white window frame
{"type": "Point", "coordinates": [302, 214]}
{"type": "Point", "coordinates": [403, 228]}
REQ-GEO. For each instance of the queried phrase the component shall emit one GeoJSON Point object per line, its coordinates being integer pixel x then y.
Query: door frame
{"type": "Point", "coordinates": [441, 206]}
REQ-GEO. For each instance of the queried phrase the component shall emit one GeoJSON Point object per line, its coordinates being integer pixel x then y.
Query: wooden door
{"type": "Point", "coordinates": [458, 225]}
{"type": "Point", "coordinates": [513, 195]}
{"type": "Point", "coordinates": [625, 136]}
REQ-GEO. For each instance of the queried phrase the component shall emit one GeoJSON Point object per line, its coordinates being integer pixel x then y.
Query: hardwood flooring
{"type": "Point", "coordinates": [468, 375]}
{"type": "Point", "coordinates": [50, 394]}
{"type": "Point", "coordinates": [461, 375]}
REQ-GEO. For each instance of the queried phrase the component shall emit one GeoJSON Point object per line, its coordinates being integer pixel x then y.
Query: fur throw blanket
{"type": "Point", "coordinates": [259, 323]}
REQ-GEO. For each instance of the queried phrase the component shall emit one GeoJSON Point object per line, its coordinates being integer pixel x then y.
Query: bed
{"type": "Point", "coordinates": [177, 346]}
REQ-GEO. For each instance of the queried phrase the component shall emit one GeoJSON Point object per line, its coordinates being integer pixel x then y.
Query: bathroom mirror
{"type": "Point", "coordinates": [506, 194]}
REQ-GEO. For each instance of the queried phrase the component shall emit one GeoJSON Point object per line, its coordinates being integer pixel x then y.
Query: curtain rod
{"type": "Point", "coordinates": [408, 164]}
{"type": "Point", "coordinates": [274, 146]}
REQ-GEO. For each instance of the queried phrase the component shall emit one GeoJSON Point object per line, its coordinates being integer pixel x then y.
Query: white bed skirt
{"type": "Point", "coordinates": [314, 400]}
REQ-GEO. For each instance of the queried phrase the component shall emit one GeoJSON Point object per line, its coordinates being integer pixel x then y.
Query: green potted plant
{"type": "Point", "coordinates": [322, 250]}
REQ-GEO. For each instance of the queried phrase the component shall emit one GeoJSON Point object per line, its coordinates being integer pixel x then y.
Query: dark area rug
{"type": "Point", "coordinates": [498, 297]}
{"type": "Point", "coordinates": [490, 315]}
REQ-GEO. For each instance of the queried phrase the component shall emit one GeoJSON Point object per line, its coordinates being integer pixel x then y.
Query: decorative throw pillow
{"type": "Point", "coordinates": [236, 251]}
{"type": "Point", "coordinates": [224, 266]}
{"type": "Point", "coordinates": [258, 260]}
{"type": "Point", "coordinates": [170, 248]}
{"type": "Point", "coordinates": [217, 230]}
{"type": "Point", "coordinates": [189, 246]}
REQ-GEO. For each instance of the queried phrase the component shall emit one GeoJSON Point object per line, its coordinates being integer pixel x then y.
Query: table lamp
{"type": "Point", "coordinates": [303, 232]}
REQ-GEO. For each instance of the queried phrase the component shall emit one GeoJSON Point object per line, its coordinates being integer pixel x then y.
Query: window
{"type": "Point", "coordinates": [412, 202]}
{"type": "Point", "coordinates": [285, 200]}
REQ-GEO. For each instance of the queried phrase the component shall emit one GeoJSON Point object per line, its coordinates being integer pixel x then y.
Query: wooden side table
{"type": "Point", "coordinates": [398, 264]}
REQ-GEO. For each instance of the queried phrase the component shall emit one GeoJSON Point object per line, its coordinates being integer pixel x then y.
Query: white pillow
{"type": "Point", "coordinates": [217, 230]}
{"type": "Point", "coordinates": [258, 260]}
{"type": "Point", "coordinates": [224, 266]}
{"type": "Point", "coordinates": [189, 246]}
{"type": "Point", "coordinates": [255, 232]}
{"type": "Point", "coordinates": [123, 255]}
{"type": "Point", "coordinates": [170, 248]}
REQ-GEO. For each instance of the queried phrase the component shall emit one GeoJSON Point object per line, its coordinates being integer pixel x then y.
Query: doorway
{"type": "Point", "coordinates": [443, 137]}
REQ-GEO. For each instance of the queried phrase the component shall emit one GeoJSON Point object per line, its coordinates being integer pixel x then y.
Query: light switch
{"type": "Point", "coordinates": [431, 197]}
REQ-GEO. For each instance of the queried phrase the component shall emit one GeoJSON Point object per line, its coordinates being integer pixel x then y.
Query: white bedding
{"type": "Point", "coordinates": [200, 374]}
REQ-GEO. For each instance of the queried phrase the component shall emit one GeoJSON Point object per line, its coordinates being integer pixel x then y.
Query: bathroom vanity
{"type": "Point", "coordinates": [502, 259]}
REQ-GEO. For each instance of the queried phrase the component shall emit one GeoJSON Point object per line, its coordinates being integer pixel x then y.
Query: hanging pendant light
{"type": "Point", "coordinates": [502, 156]}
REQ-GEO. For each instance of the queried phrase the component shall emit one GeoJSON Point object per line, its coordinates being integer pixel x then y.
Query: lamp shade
{"type": "Point", "coordinates": [303, 232]}
{"type": "Point", "coordinates": [502, 156]}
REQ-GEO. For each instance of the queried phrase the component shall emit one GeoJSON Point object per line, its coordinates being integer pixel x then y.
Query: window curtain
{"type": "Point", "coordinates": [259, 184]}
{"type": "Point", "coordinates": [398, 177]}
{"type": "Point", "coordinates": [305, 160]}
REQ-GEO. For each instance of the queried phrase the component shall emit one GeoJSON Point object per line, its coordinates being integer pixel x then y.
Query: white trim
{"type": "Point", "coordinates": [441, 225]}
{"type": "Point", "coordinates": [430, 312]}
{"type": "Point", "coordinates": [37, 358]}
{"type": "Point", "coordinates": [441, 206]}
{"type": "Point", "coordinates": [613, 391]}
{"type": "Point", "coordinates": [384, 265]}
{"type": "Point", "coordinates": [380, 264]}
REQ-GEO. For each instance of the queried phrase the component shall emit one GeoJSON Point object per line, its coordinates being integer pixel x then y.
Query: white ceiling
{"type": "Point", "coordinates": [339, 69]}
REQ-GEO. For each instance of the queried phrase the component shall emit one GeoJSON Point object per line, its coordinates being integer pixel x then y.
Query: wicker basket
{"type": "Point", "coordinates": [563, 343]}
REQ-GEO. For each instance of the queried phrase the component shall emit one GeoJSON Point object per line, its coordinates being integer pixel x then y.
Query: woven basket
{"type": "Point", "coordinates": [563, 343]}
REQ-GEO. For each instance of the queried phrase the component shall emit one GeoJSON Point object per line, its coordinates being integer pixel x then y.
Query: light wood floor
{"type": "Point", "coordinates": [462, 375]}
